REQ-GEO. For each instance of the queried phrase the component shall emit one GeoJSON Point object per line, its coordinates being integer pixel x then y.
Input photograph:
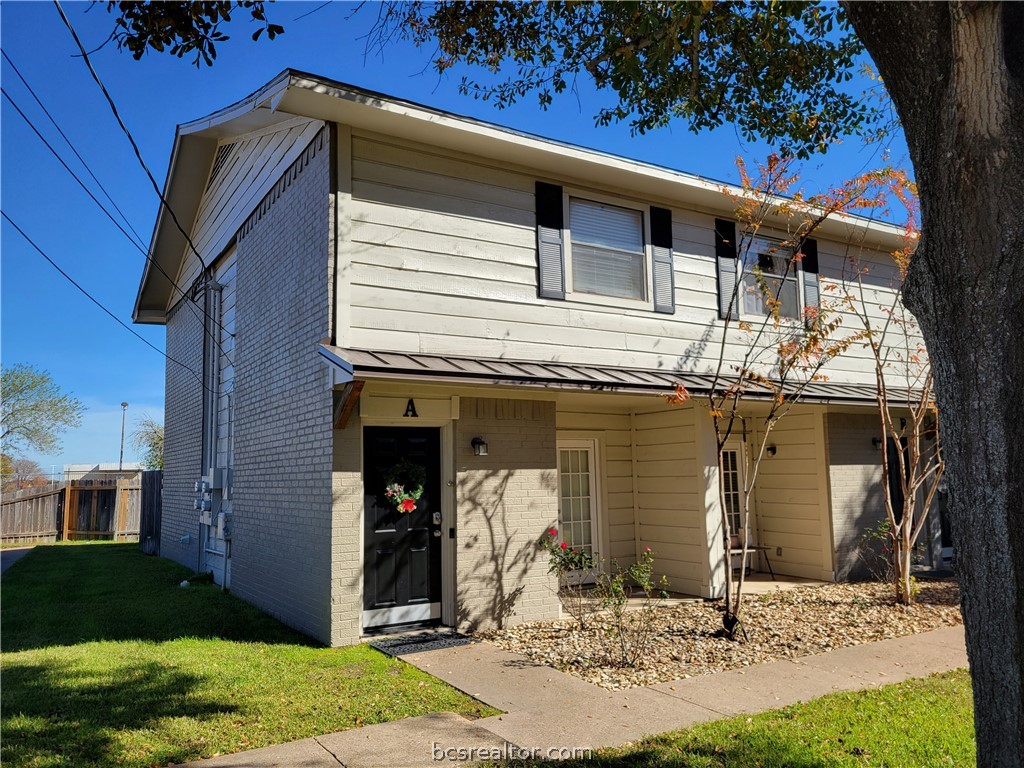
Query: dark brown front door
{"type": "Point", "coordinates": [402, 550]}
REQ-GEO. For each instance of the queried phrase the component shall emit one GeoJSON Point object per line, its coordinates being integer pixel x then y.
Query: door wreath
{"type": "Point", "coordinates": [404, 483]}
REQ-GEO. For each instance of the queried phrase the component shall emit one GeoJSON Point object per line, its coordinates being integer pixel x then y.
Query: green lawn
{"type": "Point", "coordinates": [107, 661]}
{"type": "Point", "coordinates": [918, 724]}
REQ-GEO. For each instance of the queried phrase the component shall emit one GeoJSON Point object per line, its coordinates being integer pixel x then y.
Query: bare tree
{"type": "Point", "coordinates": [782, 355]}
{"type": "Point", "coordinates": [911, 451]}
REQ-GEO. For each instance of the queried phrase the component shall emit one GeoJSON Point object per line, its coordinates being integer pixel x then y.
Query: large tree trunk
{"type": "Point", "coordinates": [955, 75]}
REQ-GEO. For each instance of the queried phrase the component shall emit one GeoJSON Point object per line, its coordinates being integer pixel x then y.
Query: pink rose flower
{"type": "Point", "coordinates": [552, 532]}
{"type": "Point", "coordinates": [564, 545]}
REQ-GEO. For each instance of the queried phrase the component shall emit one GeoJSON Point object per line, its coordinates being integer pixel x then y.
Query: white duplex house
{"type": "Point", "coordinates": [366, 291]}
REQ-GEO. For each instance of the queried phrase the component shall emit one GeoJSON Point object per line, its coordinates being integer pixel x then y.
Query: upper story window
{"type": "Point", "coordinates": [607, 252]}
{"type": "Point", "coordinates": [769, 273]}
{"type": "Point", "coordinates": [750, 278]}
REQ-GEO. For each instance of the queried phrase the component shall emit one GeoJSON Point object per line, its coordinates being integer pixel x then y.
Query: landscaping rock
{"type": "Point", "coordinates": [780, 625]}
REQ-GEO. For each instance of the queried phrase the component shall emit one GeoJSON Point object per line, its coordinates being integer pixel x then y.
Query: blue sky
{"type": "Point", "coordinates": [48, 323]}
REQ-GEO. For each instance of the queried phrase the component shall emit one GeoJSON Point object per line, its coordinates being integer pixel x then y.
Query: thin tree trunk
{"type": "Point", "coordinates": [955, 74]}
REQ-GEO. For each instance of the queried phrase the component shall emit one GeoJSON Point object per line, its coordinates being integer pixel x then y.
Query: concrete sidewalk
{"type": "Point", "coordinates": [9, 557]}
{"type": "Point", "coordinates": [548, 710]}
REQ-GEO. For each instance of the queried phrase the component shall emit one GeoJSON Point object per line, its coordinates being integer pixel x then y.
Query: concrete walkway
{"type": "Point", "coordinates": [549, 710]}
{"type": "Point", "coordinates": [9, 557]}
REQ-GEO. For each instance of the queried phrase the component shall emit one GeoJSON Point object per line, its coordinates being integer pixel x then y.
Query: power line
{"type": "Point", "coordinates": [95, 301]}
{"type": "Point", "coordinates": [71, 145]}
{"type": "Point", "coordinates": [124, 128]}
{"type": "Point", "coordinates": [142, 250]}
{"type": "Point", "coordinates": [138, 155]}
{"type": "Point", "coordinates": [75, 176]}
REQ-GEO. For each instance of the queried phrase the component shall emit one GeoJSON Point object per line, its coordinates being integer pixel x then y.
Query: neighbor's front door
{"type": "Point", "coordinates": [402, 550]}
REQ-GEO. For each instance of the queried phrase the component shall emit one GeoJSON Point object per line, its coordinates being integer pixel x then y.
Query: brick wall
{"type": "Point", "coordinates": [506, 502]}
{"type": "Point", "coordinates": [183, 434]}
{"type": "Point", "coordinates": [855, 474]}
{"type": "Point", "coordinates": [281, 548]}
{"type": "Point", "coordinates": [346, 552]}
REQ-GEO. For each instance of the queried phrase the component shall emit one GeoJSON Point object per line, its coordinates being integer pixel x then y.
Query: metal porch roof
{"type": "Point", "coordinates": [555, 375]}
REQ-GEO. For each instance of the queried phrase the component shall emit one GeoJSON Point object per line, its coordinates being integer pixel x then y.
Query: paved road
{"type": "Point", "coordinates": [9, 557]}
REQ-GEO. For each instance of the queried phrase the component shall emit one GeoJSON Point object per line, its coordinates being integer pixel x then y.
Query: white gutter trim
{"type": "Point", "coordinates": [341, 369]}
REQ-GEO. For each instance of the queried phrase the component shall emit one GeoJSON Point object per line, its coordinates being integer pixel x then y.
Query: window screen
{"type": "Point", "coordinates": [607, 249]}
{"type": "Point", "coordinates": [779, 273]}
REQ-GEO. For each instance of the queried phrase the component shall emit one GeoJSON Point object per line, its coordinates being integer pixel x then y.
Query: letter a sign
{"type": "Point", "coordinates": [410, 409]}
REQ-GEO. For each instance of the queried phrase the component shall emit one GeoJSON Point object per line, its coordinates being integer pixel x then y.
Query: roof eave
{"type": "Point", "coordinates": [195, 145]}
{"type": "Point", "coordinates": [294, 93]}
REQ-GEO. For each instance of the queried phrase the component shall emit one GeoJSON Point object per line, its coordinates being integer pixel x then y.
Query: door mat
{"type": "Point", "coordinates": [400, 645]}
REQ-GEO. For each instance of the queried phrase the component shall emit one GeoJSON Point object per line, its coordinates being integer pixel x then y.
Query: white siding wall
{"type": "Point", "coordinates": [669, 496]}
{"type": "Point", "coordinates": [248, 168]}
{"type": "Point", "coordinates": [791, 497]}
{"type": "Point", "coordinates": [443, 252]}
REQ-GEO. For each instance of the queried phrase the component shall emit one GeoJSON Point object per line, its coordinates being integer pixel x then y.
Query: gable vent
{"type": "Point", "coordinates": [219, 162]}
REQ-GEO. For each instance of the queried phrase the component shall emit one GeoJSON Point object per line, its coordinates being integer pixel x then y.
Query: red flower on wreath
{"type": "Point", "coordinates": [406, 505]}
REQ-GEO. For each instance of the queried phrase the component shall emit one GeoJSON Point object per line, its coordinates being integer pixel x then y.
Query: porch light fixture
{"type": "Point", "coordinates": [772, 450]}
{"type": "Point", "coordinates": [877, 443]}
{"type": "Point", "coordinates": [479, 446]}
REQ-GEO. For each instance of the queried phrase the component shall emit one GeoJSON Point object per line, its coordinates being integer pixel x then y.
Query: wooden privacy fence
{"type": "Point", "coordinates": [150, 512]}
{"type": "Point", "coordinates": [83, 509]}
{"type": "Point", "coordinates": [32, 515]}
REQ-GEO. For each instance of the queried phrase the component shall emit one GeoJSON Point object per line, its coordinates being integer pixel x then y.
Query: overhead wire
{"type": "Point", "coordinates": [144, 251]}
{"type": "Point", "coordinates": [97, 302]}
{"type": "Point", "coordinates": [128, 133]}
{"type": "Point", "coordinates": [68, 141]}
{"type": "Point", "coordinates": [165, 205]}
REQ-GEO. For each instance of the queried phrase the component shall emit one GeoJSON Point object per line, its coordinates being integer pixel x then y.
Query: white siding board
{"type": "Point", "coordinates": [440, 202]}
{"type": "Point", "coordinates": [397, 300]}
{"type": "Point", "coordinates": [410, 180]}
{"type": "Point", "coordinates": [683, 576]}
{"type": "Point", "coordinates": [255, 165]}
{"type": "Point", "coordinates": [440, 284]}
{"type": "Point", "coordinates": [416, 263]}
{"type": "Point", "coordinates": [687, 535]}
{"type": "Point", "coordinates": [485, 231]}
{"type": "Point", "coordinates": [386, 150]}
{"type": "Point", "coordinates": [457, 230]}
{"type": "Point", "coordinates": [374, 234]}
{"type": "Point", "coordinates": [676, 517]}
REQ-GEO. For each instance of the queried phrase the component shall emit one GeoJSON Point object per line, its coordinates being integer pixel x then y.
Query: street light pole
{"type": "Point", "coordinates": [120, 460]}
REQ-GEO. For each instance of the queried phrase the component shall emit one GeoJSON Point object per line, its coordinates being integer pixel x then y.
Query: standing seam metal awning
{"type": "Point", "coordinates": [521, 373]}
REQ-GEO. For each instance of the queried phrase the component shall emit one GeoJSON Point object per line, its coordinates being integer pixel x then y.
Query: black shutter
{"type": "Point", "coordinates": [550, 246]}
{"type": "Point", "coordinates": [663, 272]}
{"type": "Point", "coordinates": [725, 262]}
{"type": "Point", "coordinates": [809, 263]}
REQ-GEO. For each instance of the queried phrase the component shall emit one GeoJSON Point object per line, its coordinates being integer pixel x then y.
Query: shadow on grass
{"type": "Point", "coordinates": [56, 714]}
{"type": "Point", "coordinates": [70, 594]}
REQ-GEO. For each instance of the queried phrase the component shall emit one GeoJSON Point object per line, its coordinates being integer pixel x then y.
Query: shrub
{"type": "Point", "coordinates": [571, 566]}
{"type": "Point", "coordinates": [628, 633]}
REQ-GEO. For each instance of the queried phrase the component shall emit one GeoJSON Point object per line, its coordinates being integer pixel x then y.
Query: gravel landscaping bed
{"type": "Point", "coordinates": [780, 625]}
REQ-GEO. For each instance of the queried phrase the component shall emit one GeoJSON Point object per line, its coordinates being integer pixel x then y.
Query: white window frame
{"type": "Point", "coordinates": [597, 543]}
{"type": "Point", "coordinates": [737, 446]}
{"type": "Point", "coordinates": [647, 302]}
{"type": "Point", "coordinates": [795, 274]}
